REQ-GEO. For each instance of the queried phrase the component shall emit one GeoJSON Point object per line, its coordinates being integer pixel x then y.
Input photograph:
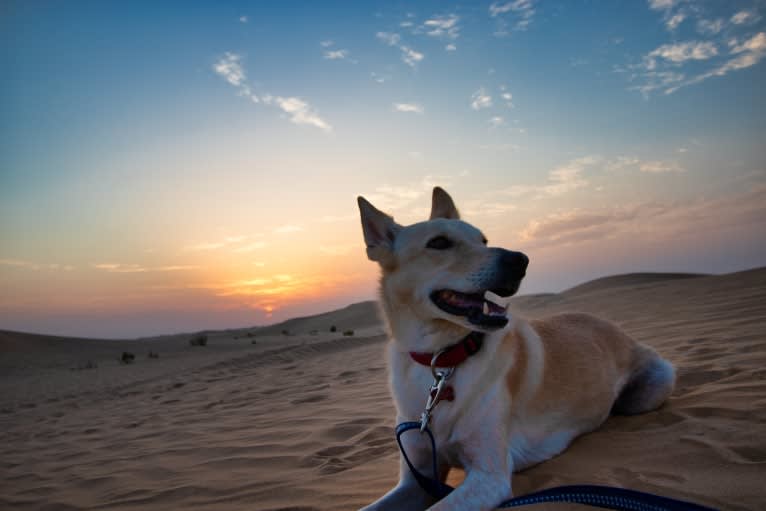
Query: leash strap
{"type": "Point", "coordinates": [608, 497]}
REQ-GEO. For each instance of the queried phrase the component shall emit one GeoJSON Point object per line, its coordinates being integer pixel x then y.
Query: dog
{"type": "Point", "coordinates": [520, 391]}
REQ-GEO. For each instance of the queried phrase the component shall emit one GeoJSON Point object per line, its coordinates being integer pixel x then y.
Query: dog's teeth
{"type": "Point", "coordinates": [497, 300]}
{"type": "Point", "coordinates": [486, 309]}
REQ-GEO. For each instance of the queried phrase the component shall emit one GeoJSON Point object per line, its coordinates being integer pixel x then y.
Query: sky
{"type": "Point", "coordinates": [171, 167]}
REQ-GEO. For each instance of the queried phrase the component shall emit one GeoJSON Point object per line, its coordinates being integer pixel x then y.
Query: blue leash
{"type": "Point", "coordinates": [608, 497]}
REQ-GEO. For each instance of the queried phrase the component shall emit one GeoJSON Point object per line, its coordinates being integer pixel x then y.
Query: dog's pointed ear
{"type": "Point", "coordinates": [380, 231]}
{"type": "Point", "coordinates": [442, 205]}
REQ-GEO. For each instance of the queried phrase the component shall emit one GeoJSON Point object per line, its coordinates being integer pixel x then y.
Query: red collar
{"type": "Point", "coordinates": [453, 355]}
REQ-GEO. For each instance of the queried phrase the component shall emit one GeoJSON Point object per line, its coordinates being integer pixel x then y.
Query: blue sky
{"type": "Point", "coordinates": [182, 166]}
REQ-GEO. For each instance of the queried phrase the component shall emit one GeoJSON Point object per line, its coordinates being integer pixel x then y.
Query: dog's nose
{"type": "Point", "coordinates": [515, 261]}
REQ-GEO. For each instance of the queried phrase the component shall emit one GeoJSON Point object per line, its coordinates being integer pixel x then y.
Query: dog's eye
{"type": "Point", "coordinates": [439, 243]}
{"type": "Point", "coordinates": [484, 240]}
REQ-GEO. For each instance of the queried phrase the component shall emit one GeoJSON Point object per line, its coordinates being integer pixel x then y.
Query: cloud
{"type": "Point", "coordinates": [745, 17]}
{"type": "Point", "coordinates": [230, 69]}
{"type": "Point", "coordinates": [136, 268]}
{"type": "Point", "coordinates": [408, 107]}
{"type": "Point", "coordinates": [710, 27]}
{"type": "Point", "coordinates": [660, 167]}
{"type": "Point", "coordinates": [444, 26]}
{"type": "Point", "coordinates": [659, 5]}
{"type": "Point", "coordinates": [480, 99]}
{"type": "Point", "coordinates": [250, 247]}
{"type": "Point", "coordinates": [506, 96]}
{"type": "Point", "coordinates": [389, 38]}
{"type": "Point", "coordinates": [560, 181]}
{"type": "Point", "coordinates": [299, 111]}
{"type": "Point", "coordinates": [336, 54]}
{"type": "Point", "coordinates": [672, 22]}
{"type": "Point", "coordinates": [621, 163]}
{"type": "Point", "coordinates": [395, 197]}
{"type": "Point", "coordinates": [652, 219]}
{"type": "Point", "coordinates": [378, 78]}
{"type": "Point", "coordinates": [749, 53]}
{"type": "Point", "coordinates": [497, 121]}
{"type": "Point", "coordinates": [30, 265]}
{"type": "Point", "coordinates": [223, 243]}
{"type": "Point", "coordinates": [521, 11]}
{"type": "Point", "coordinates": [288, 229]}
{"type": "Point", "coordinates": [243, 19]}
{"type": "Point", "coordinates": [681, 52]}
{"type": "Point", "coordinates": [409, 56]}
{"type": "Point", "coordinates": [326, 43]}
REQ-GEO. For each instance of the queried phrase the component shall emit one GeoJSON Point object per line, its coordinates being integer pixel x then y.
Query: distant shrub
{"type": "Point", "coordinates": [253, 342]}
{"type": "Point", "coordinates": [333, 328]}
{"type": "Point", "coordinates": [250, 334]}
{"type": "Point", "coordinates": [154, 355]}
{"type": "Point", "coordinates": [198, 340]}
{"type": "Point", "coordinates": [285, 332]}
{"type": "Point", "coordinates": [348, 333]}
{"type": "Point", "coordinates": [127, 357]}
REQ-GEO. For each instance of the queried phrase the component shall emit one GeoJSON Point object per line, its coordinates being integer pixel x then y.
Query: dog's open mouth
{"type": "Point", "coordinates": [488, 309]}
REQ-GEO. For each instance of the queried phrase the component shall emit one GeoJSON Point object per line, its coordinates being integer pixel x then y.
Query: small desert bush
{"type": "Point", "coordinates": [348, 333]}
{"type": "Point", "coordinates": [333, 328]}
{"type": "Point", "coordinates": [198, 340]}
{"type": "Point", "coordinates": [154, 355]}
{"type": "Point", "coordinates": [127, 357]}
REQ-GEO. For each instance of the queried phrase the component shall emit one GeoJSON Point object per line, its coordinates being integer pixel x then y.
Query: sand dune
{"type": "Point", "coordinates": [304, 421]}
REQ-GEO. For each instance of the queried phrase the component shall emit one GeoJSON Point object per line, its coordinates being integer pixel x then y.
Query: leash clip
{"type": "Point", "coordinates": [434, 392]}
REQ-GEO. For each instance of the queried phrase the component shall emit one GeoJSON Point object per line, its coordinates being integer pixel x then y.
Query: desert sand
{"type": "Point", "coordinates": [303, 420]}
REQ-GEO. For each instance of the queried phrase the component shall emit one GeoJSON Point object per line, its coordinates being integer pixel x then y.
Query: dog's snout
{"type": "Point", "coordinates": [516, 262]}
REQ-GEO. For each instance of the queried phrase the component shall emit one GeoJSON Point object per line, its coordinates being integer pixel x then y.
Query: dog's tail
{"type": "Point", "coordinates": [648, 387]}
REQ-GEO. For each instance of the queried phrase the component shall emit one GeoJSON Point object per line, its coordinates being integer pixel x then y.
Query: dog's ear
{"type": "Point", "coordinates": [380, 231]}
{"type": "Point", "coordinates": [442, 205]}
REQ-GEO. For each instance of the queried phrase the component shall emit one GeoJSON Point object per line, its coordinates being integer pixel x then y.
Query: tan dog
{"type": "Point", "coordinates": [521, 391]}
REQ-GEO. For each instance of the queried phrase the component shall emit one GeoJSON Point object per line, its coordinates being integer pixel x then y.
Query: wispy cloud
{"type": "Point", "coordinates": [251, 247]}
{"type": "Point", "coordinates": [31, 265]}
{"type": "Point", "coordinates": [506, 96]}
{"type": "Point", "coordinates": [652, 219]}
{"type": "Point", "coordinates": [497, 121]}
{"type": "Point", "coordinates": [442, 26]}
{"type": "Point", "coordinates": [243, 19]}
{"type": "Point", "coordinates": [748, 53]}
{"type": "Point", "coordinates": [288, 229]}
{"type": "Point", "coordinates": [678, 64]}
{"type": "Point", "coordinates": [335, 54]}
{"type": "Point", "coordinates": [298, 110]}
{"type": "Point", "coordinates": [560, 181]}
{"type": "Point", "coordinates": [409, 56]}
{"type": "Point", "coordinates": [408, 107]}
{"type": "Point", "coordinates": [710, 27]}
{"type": "Point", "coordinates": [681, 52]}
{"type": "Point", "coordinates": [514, 15]}
{"type": "Point", "coordinates": [745, 17]}
{"type": "Point", "coordinates": [480, 99]}
{"type": "Point", "coordinates": [229, 67]}
{"type": "Point", "coordinates": [675, 20]}
{"type": "Point", "coordinates": [137, 268]}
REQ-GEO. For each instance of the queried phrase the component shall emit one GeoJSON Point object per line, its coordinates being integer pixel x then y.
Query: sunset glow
{"type": "Point", "coordinates": [177, 168]}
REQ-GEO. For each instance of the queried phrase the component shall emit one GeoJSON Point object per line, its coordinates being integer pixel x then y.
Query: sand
{"type": "Point", "coordinates": [304, 421]}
